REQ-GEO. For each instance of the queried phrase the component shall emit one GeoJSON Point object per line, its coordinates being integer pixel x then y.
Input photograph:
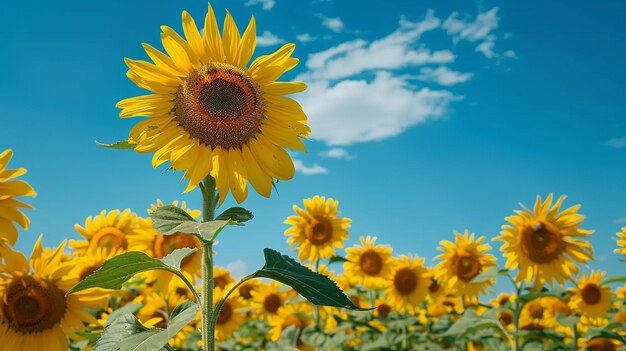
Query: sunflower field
{"type": "Point", "coordinates": [145, 279]}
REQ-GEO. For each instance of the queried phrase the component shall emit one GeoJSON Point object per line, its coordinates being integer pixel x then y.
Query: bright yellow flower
{"type": "Point", "coordinates": [435, 288]}
{"type": "Point", "coordinates": [212, 114]}
{"type": "Point", "coordinates": [268, 298]}
{"type": "Point", "coordinates": [544, 243]}
{"type": "Point", "coordinates": [158, 306]}
{"type": "Point", "coordinates": [221, 277]}
{"type": "Point", "coordinates": [34, 310]}
{"type": "Point", "coordinates": [316, 230]}
{"type": "Point", "coordinates": [10, 189]}
{"type": "Point", "coordinates": [369, 264]}
{"type": "Point", "coordinates": [298, 315]}
{"type": "Point", "coordinates": [602, 344]}
{"type": "Point", "coordinates": [461, 261]}
{"type": "Point", "coordinates": [591, 297]}
{"type": "Point", "coordinates": [230, 318]}
{"type": "Point", "coordinates": [536, 315]}
{"type": "Point", "coordinates": [409, 284]}
{"type": "Point", "coordinates": [114, 230]}
{"type": "Point", "coordinates": [621, 242]}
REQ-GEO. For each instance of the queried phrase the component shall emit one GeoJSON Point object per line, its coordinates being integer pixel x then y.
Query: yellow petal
{"type": "Point", "coordinates": [211, 37]}
{"type": "Point", "coordinates": [231, 39]}
{"type": "Point", "coordinates": [193, 36]}
{"type": "Point", "coordinates": [237, 175]}
{"type": "Point", "coordinates": [259, 179]}
{"type": "Point", "coordinates": [247, 45]}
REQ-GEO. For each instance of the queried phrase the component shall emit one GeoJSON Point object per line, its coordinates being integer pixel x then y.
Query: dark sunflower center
{"type": "Point", "coordinates": [602, 344]}
{"type": "Point", "coordinates": [166, 244]}
{"type": "Point", "coordinates": [434, 285]}
{"type": "Point", "coordinates": [319, 231]}
{"type": "Point", "coordinates": [31, 306]}
{"type": "Point", "coordinates": [384, 310]}
{"type": "Point", "coordinates": [272, 303]}
{"type": "Point", "coordinates": [371, 263]}
{"type": "Point", "coordinates": [536, 310]}
{"type": "Point", "coordinates": [467, 267]}
{"type": "Point", "coordinates": [591, 294]}
{"type": "Point", "coordinates": [221, 282]}
{"type": "Point", "coordinates": [225, 314]}
{"type": "Point", "coordinates": [503, 301]}
{"type": "Point", "coordinates": [110, 238]}
{"type": "Point", "coordinates": [245, 291]}
{"type": "Point", "coordinates": [542, 242]}
{"type": "Point", "coordinates": [220, 105]}
{"type": "Point", "coordinates": [505, 317]}
{"type": "Point", "coordinates": [405, 280]}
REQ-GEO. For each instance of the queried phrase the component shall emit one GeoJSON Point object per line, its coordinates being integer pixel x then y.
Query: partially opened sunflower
{"type": "Point", "coordinates": [210, 113]}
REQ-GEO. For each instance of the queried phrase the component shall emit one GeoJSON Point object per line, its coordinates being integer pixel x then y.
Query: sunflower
{"type": "Point", "coordinates": [10, 188]}
{"type": "Point", "coordinates": [34, 308]}
{"type": "Point", "coordinates": [462, 261]}
{"type": "Point", "coordinates": [536, 315]}
{"type": "Point", "coordinates": [222, 277]}
{"type": "Point", "coordinates": [409, 283]}
{"type": "Point", "coordinates": [383, 307]}
{"type": "Point", "coordinates": [268, 298]}
{"type": "Point", "coordinates": [113, 230]}
{"type": "Point", "coordinates": [316, 230]}
{"type": "Point", "coordinates": [230, 318]}
{"type": "Point", "coordinates": [210, 113]}
{"type": "Point", "coordinates": [591, 297]}
{"type": "Point", "coordinates": [544, 243]}
{"type": "Point", "coordinates": [603, 344]}
{"type": "Point", "coordinates": [91, 261]}
{"type": "Point", "coordinates": [369, 264]}
{"type": "Point", "coordinates": [621, 242]}
{"type": "Point", "coordinates": [435, 288]}
{"type": "Point", "coordinates": [298, 315]}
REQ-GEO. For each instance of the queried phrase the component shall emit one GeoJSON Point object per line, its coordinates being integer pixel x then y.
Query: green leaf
{"type": "Point", "coordinates": [131, 308]}
{"type": "Point", "coordinates": [207, 230]}
{"type": "Point", "coordinates": [166, 218]}
{"type": "Point", "coordinates": [595, 333]}
{"type": "Point", "coordinates": [315, 287]}
{"type": "Point", "coordinates": [118, 269]}
{"type": "Point", "coordinates": [119, 145]}
{"type": "Point", "coordinates": [337, 259]}
{"type": "Point", "coordinates": [236, 214]}
{"type": "Point", "coordinates": [127, 334]}
{"type": "Point", "coordinates": [489, 274]}
{"type": "Point", "coordinates": [471, 323]}
{"type": "Point", "coordinates": [616, 279]}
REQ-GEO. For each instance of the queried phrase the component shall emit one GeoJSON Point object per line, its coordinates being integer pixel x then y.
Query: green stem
{"type": "Point", "coordinates": [209, 204]}
{"type": "Point", "coordinates": [575, 337]}
{"type": "Point", "coordinates": [516, 314]}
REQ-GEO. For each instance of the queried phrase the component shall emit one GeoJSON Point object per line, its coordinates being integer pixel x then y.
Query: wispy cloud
{"type": "Point", "coordinates": [305, 37]}
{"type": "Point", "coordinates": [238, 269]}
{"type": "Point", "coordinates": [308, 170]}
{"type": "Point", "coordinates": [442, 75]}
{"type": "Point", "coordinates": [481, 29]}
{"type": "Point", "coordinates": [338, 153]}
{"type": "Point", "coordinates": [333, 23]}
{"type": "Point", "coordinates": [617, 143]}
{"type": "Point", "coordinates": [621, 220]}
{"type": "Point", "coordinates": [268, 39]}
{"type": "Point", "coordinates": [265, 4]}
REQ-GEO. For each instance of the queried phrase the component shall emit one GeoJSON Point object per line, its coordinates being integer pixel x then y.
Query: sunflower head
{"type": "Point", "coordinates": [212, 113]}
{"type": "Point", "coordinates": [10, 189]}
{"type": "Point", "coordinates": [545, 243]}
{"type": "Point", "coordinates": [409, 285]}
{"type": "Point", "coordinates": [317, 229]}
{"type": "Point", "coordinates": [369, 264]}
{"type": "Point", "coordinates": [462, 261]}
{"type": "Point", "coordinates": [590, 297]}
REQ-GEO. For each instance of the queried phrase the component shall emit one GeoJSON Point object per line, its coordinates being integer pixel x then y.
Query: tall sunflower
{"type": "Point", "coordinates": [461, 261]}
{"type": "Point", "coordinates": [10, 189]}
{"type": "Point", "coordinates": [317, 229]}
{"type": "Point", "coordinates": [34, 308]}
{"type": "Point", "coordinates": [369, 264]}
{"type": "Point", "coordinates": [409, 284]}
{"type": "Point", "coordinates": [591, 297]}
{"type": "Point", "coordinates": [210, 113]}
{"type": "Point", "coordinates": [545, 243]}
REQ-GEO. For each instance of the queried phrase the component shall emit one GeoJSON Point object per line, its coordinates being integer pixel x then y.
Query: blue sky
{"type": "Point", "coordinates": [427, 116]}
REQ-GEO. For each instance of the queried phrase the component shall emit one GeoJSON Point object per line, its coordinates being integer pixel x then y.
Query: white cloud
{"type": "Point", "coordinates": [238, 269]}
{"type": "Point", "coordinates": [338, 153]}
{"type": "Point", "coordinates": [463, 29]}
{"type": "Point", "coordinates": [393, 51]}
{"type": "Point", "coordinates": [305, 37]}
{"type": "Point", "coordinates": [308, 170]}
{"type": "Point", "coordinates": [333, 23]}
{"type": "Point", "coordinates": [355, 111]}
{"type": "Point", "coordinates": [266, 4]}
{"type": "Point", "coordinates": [268, 39]}
{"type": "Point", "coordinates": [443, 76]}
{"type": "Point", "coordinates": [621, 220]}
{"type": "Point", "coordinates": [617, 143]}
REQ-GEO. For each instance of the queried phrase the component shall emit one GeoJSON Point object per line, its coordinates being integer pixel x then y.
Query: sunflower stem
{"type": "Point", "coordinates": [209, 204]}
{"type": "Point", "coordinates": [575, 337]}
{"type": "Point", "coordinates": [517, 312]}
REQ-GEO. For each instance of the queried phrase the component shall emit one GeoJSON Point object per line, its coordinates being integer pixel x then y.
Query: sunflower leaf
{"type": "Point", "coordinates": [337, 259]}
{"type": "Point", "coordinates": [118, 269]}
{"type": "Point", "coordinates": [315, 287]}
{"type": "Point", "coordinates": [236, 214]}
{"type": "Point", "coordinates": [126, 333]}
{"type": "Point", "coordinates": [470, 323]}
{"type": "Point", "coordinates": [124, 144]}
{"type": "Point", "coordinates": [166, 218]}
{"type": "Point", "coordinates": [489, 274]}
